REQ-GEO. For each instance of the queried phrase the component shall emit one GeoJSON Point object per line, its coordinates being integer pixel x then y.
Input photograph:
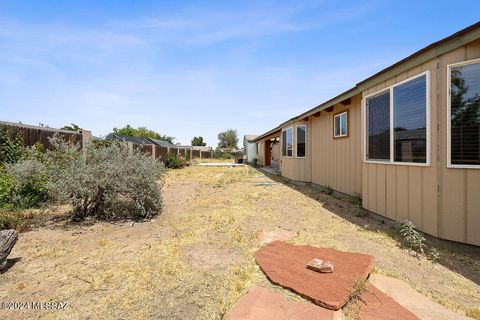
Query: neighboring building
{"type": "Point", "coordinates": [161, 143]}
{"type": "Point", "coordinates": [407, 140]}
{"type": "Point", "coordinates": [121, 137]}
{"type": "Point", "coordinates": [201, 148]}
{"type": "Point", "coordinates": [250, 147]}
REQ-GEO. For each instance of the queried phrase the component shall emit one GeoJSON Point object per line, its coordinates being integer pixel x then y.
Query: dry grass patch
{"type": "Point", "coordinates": [195, 260]}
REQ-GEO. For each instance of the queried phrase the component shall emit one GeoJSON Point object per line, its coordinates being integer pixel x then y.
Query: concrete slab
{"type": "Point", "coordinates": [266, 304]}
{"type": "Point", "coordinates": [276, 235]}
{"type": "Point", "coordinates": [376, 305]}
{"type": "Point", "coordinates": [220, 164]}
{"type": "Point", "coordinates": [286, 265]}
{"type": "Point", "coordinates": [412, 300]}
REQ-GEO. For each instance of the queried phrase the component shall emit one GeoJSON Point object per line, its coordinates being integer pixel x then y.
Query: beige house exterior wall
{"type": "Point", "coordinates": [441, 201]}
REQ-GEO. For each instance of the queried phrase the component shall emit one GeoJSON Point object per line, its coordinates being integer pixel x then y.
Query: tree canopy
{"type": "Point", "coordinates": [198, 141]}
{"type": "Point", "coordinates": [228, 139]}
{"type": "Point", "coordinates": [142, 132]}
{"type": "Point", "coordinates": [71, 127]}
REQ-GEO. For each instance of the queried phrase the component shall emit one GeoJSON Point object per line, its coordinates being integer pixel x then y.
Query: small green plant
{"type": "Point", "coordinates": [356, 199]}
{"type": "Point", "coordinates": [326, 190]}
{"type": "Point", "coordinates": [360, 211]}
{"type": "Point", "coordinates": [434, 255]}
{"type": "Point", "coordinates": [410, 238]}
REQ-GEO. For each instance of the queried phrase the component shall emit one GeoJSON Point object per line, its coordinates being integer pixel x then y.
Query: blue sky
{"type": "Point", "coordinates": [186, 68]}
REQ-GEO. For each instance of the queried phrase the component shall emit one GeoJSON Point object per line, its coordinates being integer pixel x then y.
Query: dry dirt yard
{"type": "Point", "coordinates": [195, 259]}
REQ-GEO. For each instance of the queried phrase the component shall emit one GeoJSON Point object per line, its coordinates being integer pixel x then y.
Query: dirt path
{"type": "Point", "coordinates": [195, 259]}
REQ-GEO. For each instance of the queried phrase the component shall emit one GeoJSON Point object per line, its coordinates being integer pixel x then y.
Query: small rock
{"type": "Point", "coordinates": [320, 265]}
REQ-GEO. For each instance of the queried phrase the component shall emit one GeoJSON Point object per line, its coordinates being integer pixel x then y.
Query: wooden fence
{"type": "Point", "coordinates": [160, 153]}
{"type": "Point", "coordinates": [31, 135]}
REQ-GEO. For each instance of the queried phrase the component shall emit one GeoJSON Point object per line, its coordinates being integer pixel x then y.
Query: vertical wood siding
{"type": "Point", "coordinates": [293, 168]}
{"type": "Point", "coordinates": [337, 162]}
{"type": "Point", "coordinates": [440, 201]}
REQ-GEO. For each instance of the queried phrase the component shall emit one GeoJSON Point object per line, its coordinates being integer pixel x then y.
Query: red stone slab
{"type": "Point", "coordinates": [376, 305]}
{"type": "Point", "coordinates": [266, 304]}
{"type": "Point", "coordinates": [270, 236]}
{"type": "Point", "coordinates": [285, 264]}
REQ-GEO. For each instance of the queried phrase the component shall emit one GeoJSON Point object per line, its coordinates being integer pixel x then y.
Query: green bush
{"type": "Point", "coordinates": [222, 155]}
{"type": "Point", "coordinates": [11, 150]}
{"type": "Point", "coordinates": [173, 161]}
{"type": "Point", "coordinates": [6, 190]}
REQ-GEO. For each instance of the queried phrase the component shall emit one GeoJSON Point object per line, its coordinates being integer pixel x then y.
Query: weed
{"type": "Point", "coordinates": [326, 190]}
{"type": "Point", "coordinates": [360, 211]}
{"type": "Point", "coordinates": [356, 199]}
{"type": "Point", "coordinates": [410, 238]}
{"type": "Point", "coordinates": [352, 309]}
{"type": "Point", "coordinates": [433, 255]}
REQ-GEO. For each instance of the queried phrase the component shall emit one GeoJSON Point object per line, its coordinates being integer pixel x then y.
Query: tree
{"type": "Point", "coordinates": [142, 132]}
{"type": "Point", "coordinates": [198, 141]}
{"type": "Point", "coordinates": [228, 139]}
{"type": "Point", "coordinates": [72, 127]}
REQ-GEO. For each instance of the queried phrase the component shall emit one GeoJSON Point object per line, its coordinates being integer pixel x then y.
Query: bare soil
{"type": "Point", "coordinates": [195, 259]}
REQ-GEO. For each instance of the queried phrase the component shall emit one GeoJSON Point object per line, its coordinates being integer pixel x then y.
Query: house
{"type": "Point", "coordinates": [161, 143]}
{"type": "Point", "coordinates": [406, 139]}
{"type": "Point", "coordinates": [250, 147]}
{"type": "Point", "coordinates": [121, 137]}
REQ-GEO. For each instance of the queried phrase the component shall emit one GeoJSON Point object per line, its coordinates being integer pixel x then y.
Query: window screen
{"type": "Point", "coordinates": [378, 127]}
{"type": "Point", "coordinates": [284, 143]}
{"type": "Point", "coordinates": [301, 140]}
{"type": "Point", "coordinates": [410, 121]}
{"type": "Point", "coordinates": [465, 114]}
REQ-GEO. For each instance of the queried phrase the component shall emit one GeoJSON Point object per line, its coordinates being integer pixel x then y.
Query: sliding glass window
{"type": "Point", "coordinates": [396, 123]}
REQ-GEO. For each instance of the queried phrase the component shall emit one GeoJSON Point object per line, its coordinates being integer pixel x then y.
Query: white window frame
{"type": "Point", "coordinates": [286, 146]}
{"type": "Point", "coordinates": [449, 115]}
{"type": "Point", "coordinates": [346, 124]}
{"type": "Point", "coordinates": [296, 145]}
{"type": "Point", "coordinates": [392, 141]}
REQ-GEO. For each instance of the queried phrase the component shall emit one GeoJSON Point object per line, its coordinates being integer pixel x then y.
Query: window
{"type": "Point", "coordinates": [301, 140]}
{"type": "Point", "coordinates": [257, 148]}
{"type": "Point", "coordinates": [410, 121]}
{"type": "Point", "coordinates": [378, 127]}
{"type": "Point", "coordinates": [340, 123]}
{"type": "Point", "coordinates": [463, 116]}
{"type": "Point", "coordinates": [287, 143]}
{"type": "Point", "coordinates": [397, 123]}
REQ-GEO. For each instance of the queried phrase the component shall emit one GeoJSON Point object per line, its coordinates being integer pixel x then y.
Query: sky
{"type": "Point", "coordinates": [196, 68]}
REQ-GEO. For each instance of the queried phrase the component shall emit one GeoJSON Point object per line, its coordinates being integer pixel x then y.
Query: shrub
{"type": "Point", "coordinates": [174, 161]}
{"type": "Point", "coordinates": [107, 182]}
{"type": "Point", "coordinates": [11, 150]}
{"type": "Point", "coordinates": [6, 190]}
{"type": "Point", "coordinates": [218, 154]}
